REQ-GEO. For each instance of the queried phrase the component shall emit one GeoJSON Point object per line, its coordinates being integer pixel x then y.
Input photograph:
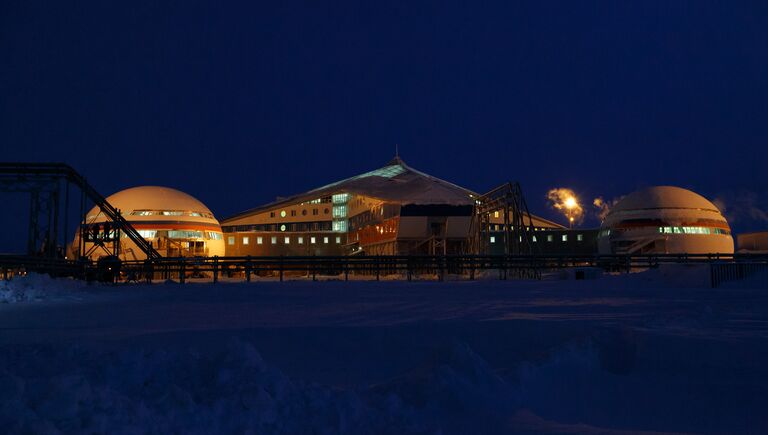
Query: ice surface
{"type": "Point", "coordinates": [642, 352]}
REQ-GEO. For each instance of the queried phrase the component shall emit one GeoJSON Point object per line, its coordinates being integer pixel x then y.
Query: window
{"type": "Point", "coordinates": [340, 198]}
{"type": "Point", "coordinates": [259, 240]}
{"type": "Point", "coordinates": [325, 210]}
{"type": "Point", "coordinates": [304, 212]}
{"type": "Point", "coordinates": [579, 237]}
{"type": "Point", "coordinates": [245, 240]}
{"type": "Point", "coordinates": [271, 214]}
{"type": "Point", "coordinates": [493, 239]}
{"type": "Point", "coordinates": [325, 240]}
{"type": "Point", "coordinates": [282, 227]}
{"type": "Point", "coordinates": [274, 240]}
{"type": "Point", "coordinates": [301, 240]}
{"type": "Point", "coordinates": [565, 237]}
{"type": "Point", "coordinates": [231, 240]}
{"type": "Point", "coordinates": [496, 214]}
{"type": "Point", "coordinates": [534, 239]}
{"type": "Point", "coordinates": [339, 226]}
{"type": "Point", "coordinates": [287, 240]}
{"type": "Point", "coordinates": [338, 240]}
{"type": "Point", "coordinates": [339, 211]}
{"type": "Point", "coordinates": [185, 234]}
{"type": "Point", "coordinates": [214, 236]}
{"type": "Point", "coordinates": [314, 212]}
{"type": "Point", "coordinates": [312, 240]}
{"type": "Point", "coordinates": [282, 213]}
{"type": "Point", "coordinates": [148, 234]}
{"type": "Point", "coordinates": [550, 238]}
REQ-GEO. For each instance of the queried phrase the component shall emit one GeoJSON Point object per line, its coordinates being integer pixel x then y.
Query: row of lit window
{"type": "Point", "coordinates": [171, 213]}
{"type": "Point", "coordinates": [550, 238]}
{"type": "Point", "coordinates": [284, 213]}
{"type": "Point", "coordinates": [181, 234]}
{"type": "Point", "coordinates": [692, 230]}
{"type": "Point", "coordinates": [286, 240]}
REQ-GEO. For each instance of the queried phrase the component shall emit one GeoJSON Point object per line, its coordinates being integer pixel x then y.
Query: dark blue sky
{"type": "Point", "coordinates": [237, 104]}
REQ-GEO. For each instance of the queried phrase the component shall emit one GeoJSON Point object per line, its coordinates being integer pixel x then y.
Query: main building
{"type": "Point", "coordinates": [393, 210]}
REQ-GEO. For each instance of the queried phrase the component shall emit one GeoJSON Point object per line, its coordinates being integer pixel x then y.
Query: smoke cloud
{"type": "Point", "coordinates": [742, 207]}
{"type": "Point", "coordinates": [604, 206]}
{"type": "Point", "coordinates": [565, 201]}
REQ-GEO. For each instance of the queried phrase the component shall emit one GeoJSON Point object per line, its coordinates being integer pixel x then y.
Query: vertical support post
{"type": "Point", "coordinates": [248, 269]}
{"type": "Point", "coordinates": [281, 268]}
{"type": "Point", "coordinates": [182, 270]}
{"type": "Point", "coordinates": [215, 269]}
{"type": "Point", "coordinates": [378, 266]}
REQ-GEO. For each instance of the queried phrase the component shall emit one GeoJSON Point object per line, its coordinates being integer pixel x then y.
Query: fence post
{"type": "Point", "coordinates": [182, 270]}
{"type": "Point", "coordinates": [314, 268]}
{"type": "Point", "coordinates": [378, 266]}
{"type": "Point", "coordinates": [281, 268]}
{"type": "Point", "coordinates": [248, 268]}
{"type": "Point", "coordinates": [215, 269]}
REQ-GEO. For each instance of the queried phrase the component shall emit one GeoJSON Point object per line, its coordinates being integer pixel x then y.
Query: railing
{"type": "Point", "coordinates": [724, 267]}
{"type": "Point", "coordinates": [722, 272]}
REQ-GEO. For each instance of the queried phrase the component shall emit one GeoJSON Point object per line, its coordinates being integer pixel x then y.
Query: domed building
{"type": "Point", "coordinates": [665, 220]}
{"type": "Point", "coordinates": [175, 223]}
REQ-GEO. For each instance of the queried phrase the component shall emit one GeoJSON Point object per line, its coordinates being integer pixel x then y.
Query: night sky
{"type": "Point", "coordinates": [237, 104]}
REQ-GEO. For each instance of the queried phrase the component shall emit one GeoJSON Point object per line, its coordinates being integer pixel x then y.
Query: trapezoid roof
{"type": "Point", "coordinates": [396, 182]}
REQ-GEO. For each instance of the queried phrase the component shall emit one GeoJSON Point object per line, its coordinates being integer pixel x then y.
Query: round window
{"type": "Point", "coordinates": [282, 227]}
{"type": "Point", "coordinates": [282, 213]}
{"type": "Point", "coordinates": [325, 211]}
{"type": "Point", "coordinates": [304, 212]}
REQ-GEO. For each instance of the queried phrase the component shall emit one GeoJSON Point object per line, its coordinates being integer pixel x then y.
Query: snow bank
{"type": "Point", "coordinates": [74, 390]}
{"type": "Point", "coordinates": [37, 287]}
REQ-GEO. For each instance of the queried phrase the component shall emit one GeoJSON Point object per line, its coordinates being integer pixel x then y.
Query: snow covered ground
{"type": "Point", "coordinates": [647, 352]}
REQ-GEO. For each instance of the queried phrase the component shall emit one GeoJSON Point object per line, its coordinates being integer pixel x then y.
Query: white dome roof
{"type": "Point", "coordinates": [660, 197]}
{"type": "Point", "coordinates": [154, 200]}
{"type": "Point", "coordinates": [155, 197]}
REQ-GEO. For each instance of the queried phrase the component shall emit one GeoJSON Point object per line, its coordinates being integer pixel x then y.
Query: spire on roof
{"type": "Point", "coordinates": [396, 160]}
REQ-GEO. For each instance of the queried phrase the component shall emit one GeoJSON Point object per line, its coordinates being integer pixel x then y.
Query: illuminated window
{"type": "Point", "coordinates": [282, 213]}
{"type": "Point", "coordinates": [287, 240]}
{"type": "Point", "coordinates": [185, 234]}
{"type": "Point", "coordinates": [325, 240]}
{"type": "Point", "coordinates": [339, 211]}
{"type": "Point", "coordinates": [579, 237]}
{"type": "Point", "coordinates": [493, 239]}
{"type": "Point", "coordinates": [301, 240]}
{"type": "Point", "coordinates": [496, 214]}
{"type": "Point", "coordinates": [245, 240]}
{"type": "Point", "coordinates": [340, 198]}
{"type": "Point", "coordinates": [312, 240]}
{"type": "Point", "coordinates": [147, 234]}
{"type": "Point", "coordinates": [550, 238]}
{"type": "Point", "coordinates": [259, 240]}
{"type": "Point", "coordinates": [534, 239]}
{"type": "Point", "coordinates": [282, 227]}
{"type": "Point", "coordinates": [339, 226]}
{"type": "Point", "coordinates": [338, 240]}
{"type": "Point", "coordinates": [231, 240]}
{"type": "Point", "coordinates": [565, 237]}
{"type": "Point", "coordinates": [215, 236]}
{"type": "Point", "coordinates": [274, 240]}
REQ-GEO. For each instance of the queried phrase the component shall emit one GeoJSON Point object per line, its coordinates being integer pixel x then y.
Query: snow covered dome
{"type": "Point", "coordinates": [177, 224]}
{"type": "Point", "coordinates": [665, 220]}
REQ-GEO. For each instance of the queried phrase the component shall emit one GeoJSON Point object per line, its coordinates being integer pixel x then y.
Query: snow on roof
{"type": "Point", "coordinates": [396, 182]}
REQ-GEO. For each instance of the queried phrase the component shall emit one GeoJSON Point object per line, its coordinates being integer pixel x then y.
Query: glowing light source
{"type": "Point", "coordinates": [566, 201]}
